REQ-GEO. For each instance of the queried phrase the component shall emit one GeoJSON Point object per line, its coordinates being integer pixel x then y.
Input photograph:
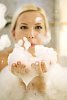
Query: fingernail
{"type": "Point", "coordinates": [37, 63]}
{"type": "Point", "coordinates": [18, 62]}
{"type": "Point", "coordinates": [13, 64]}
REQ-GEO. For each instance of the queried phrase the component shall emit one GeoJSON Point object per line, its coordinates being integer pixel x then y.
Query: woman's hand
{"type": "Point", "coordinates": [38, 84]}
{"type": "Point", "coordinates": [39, 67]}
{"type": "Point", "coordinates": [19, 69]}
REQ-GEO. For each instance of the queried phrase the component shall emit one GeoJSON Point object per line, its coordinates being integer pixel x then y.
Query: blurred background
{"type": "Point", "coordinates": [56, 11]}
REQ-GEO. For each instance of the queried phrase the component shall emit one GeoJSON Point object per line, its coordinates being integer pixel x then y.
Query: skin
{"type": "Point", "coordinates": [4, 57]}
{"type": "Point", "coordinates": [27, 26]}
{"type": "Point", "coordinates": [3, 60]}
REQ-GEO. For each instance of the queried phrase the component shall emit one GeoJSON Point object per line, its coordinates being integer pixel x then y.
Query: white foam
{"type": "Point", "coordinates": [26, 43]}
{"type": "Point", "coordinates": [19, 43]}
{"type": "Point", "coordinates": [4, 42]}
{"type": "Point", "coordinates": [48, 55]}
{"type": "Point", "coordinates": [2, 15]}
{"type": "Point", "coordinates": [10, 88]}
{"type": "Point", "coordinates": [21, 54]}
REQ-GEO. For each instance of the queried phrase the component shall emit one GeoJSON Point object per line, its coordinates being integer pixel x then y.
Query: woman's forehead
{"type": "Point", "coordinates": [30, 16]}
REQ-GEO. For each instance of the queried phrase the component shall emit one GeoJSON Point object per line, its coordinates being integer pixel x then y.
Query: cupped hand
{"type": "Point", "coordinates": [19, 68]}
{"type": "Point", "coordinates": [39, 67]}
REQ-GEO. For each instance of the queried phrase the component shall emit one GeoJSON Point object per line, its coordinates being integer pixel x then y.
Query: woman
{"type": "Point", "coordinates": [31, 22]}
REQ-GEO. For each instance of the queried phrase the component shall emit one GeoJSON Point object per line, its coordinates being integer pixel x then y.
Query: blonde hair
{"type": "Point", "coordinates": [32, 7]}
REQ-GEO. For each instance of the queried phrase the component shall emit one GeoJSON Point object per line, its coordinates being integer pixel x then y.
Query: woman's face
{"type": "Point", "coordinates": [32, 26]}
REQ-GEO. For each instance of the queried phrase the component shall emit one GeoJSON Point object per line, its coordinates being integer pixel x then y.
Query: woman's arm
{"type": "Point", "coordinates": [4, 57]}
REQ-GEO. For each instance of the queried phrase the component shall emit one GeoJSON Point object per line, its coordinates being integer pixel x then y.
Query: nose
{"type": "Point", "coordinates": [31, 34]}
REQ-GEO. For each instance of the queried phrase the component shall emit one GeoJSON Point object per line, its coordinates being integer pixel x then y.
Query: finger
{"type": "Point", "coordinates": [37, 63]}
{"type": "Point", "coordinates": [38, 67]}
{"type": "Point", "coordinates": [43, 67]}
{"type": "Point", "coordinates": [18, 63]}
{"type": "Point", "coordinates": [14, 65]}
{"type": "Point", "coordinates": [27, 70]}
{"type": "Point", "coordinates": [23, 67]}
{"type": "Point", "coordinates": [33, 65]}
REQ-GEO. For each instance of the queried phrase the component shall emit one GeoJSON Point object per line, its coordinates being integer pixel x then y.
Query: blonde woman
{"type": "Point", "coordinates": [30, 21]}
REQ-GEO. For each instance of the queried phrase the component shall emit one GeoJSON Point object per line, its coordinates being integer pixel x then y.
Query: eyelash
{"type": "Point", "coordinates": [38, 27]}
{"type": "Point", "coordinates": [23, 27]}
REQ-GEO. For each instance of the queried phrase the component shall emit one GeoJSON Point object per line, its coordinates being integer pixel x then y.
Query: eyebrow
{"type": "Point", "coordinates": [38, 23]}
{"type": "Point", "coordinates": [24, 23]}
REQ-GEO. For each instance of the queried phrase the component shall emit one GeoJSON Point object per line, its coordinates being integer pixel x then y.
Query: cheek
{"type": "Point", "coordinates": [18, 35]}
{"type": "Point", "coordinates": [41, 37]}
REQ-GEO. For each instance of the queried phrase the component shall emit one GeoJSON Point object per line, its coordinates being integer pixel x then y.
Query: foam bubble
{"type": "Point", "coordinates": [4, 42]}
